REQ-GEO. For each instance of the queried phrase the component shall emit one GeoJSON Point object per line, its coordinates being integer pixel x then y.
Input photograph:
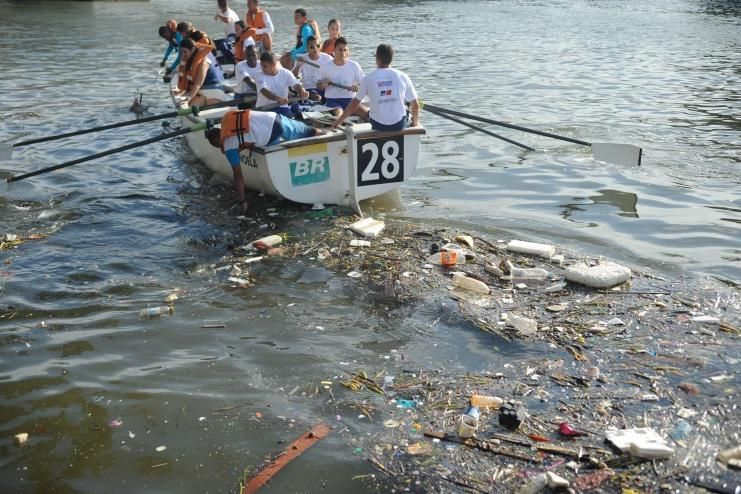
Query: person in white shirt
{"type": "Point", "coordinates": [341, 78]}
{"type": "Point", "coordinates": [388, 91]}
{"type": "Point", "coordinates": [309, 69]}
{"type": "Point", "coordinates": [243, 129]}
{"type": "Point", "coordinates": [247, 73]}
{"type": "Point", "coordinates": [227, 16]}
{"type": "Point", "coordinates": [274, 83]}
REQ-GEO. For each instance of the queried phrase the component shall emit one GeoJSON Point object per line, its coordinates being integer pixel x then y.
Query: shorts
{"type": "Point", "coordinates": [289, 130]}
{"type": "Point", "coordinates": [400, 125]}
{"type": "Point", "coordinates": [338, 102]}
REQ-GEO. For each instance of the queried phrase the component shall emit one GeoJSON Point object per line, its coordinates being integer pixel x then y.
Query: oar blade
{"type": "Point", "coordinates": [619, 154]}
{"type": "Point", "coordinates": [6, 152]}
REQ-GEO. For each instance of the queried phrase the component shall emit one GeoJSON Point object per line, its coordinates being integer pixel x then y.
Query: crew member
{"type": "Point", "coordinates": [260, 21]}
{"type": "Point", "coordinates": [389, 90]}
{"type": "Point", "coordinates": [169, 33]}
{"type": "Point", "coordinates": [334, 32]}
{"type": "Point", "coordinates": [274, 84]}
{"type": "Point", "coordinates": [244, 39]}
{"type": "Point", "coordinates": [304, 30]}
{"type": "Point", "coordinates": [343, 72]}
{"type": "Point", "coordinates": [199, 76]}
{"type": "Point", "coordinates": [226, 44]}
{"type": "Point", "coordinates": [247, 73]}
{"type": "Point", "coordinates": [243, 129]}
{"type": "Point", "coordinates": [308, 71]}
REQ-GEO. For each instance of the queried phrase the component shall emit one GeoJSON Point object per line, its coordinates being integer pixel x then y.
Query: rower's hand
{"type": "Point", "coordinates": [355, 87]}
{"type": "Point", "coordinates": [303, 94]}
{"type": "Point", "coordinates": [167, 78]}
{"type": "Point", "coordinates": [335, 124]}
{"type": "Point", "coordinates": [322, 84]}
{"type": "Point", "coordinates": [168, 71]}
{"type": "Point", "coordinates": [163, 62]}
{"type": "Point", "coordinates": [282, 101]}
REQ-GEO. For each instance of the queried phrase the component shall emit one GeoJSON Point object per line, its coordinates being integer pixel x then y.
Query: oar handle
{"type": "Point", "coordinates": [342, 86]}
{"type": "Point", "coordinates": [169, 135]}
{"type": "Point", "coordinates": [272, 106]}
{"type": "Point", "coordinates": [309, 62]}
{"type": "Point", "coordinates": [195, 110]}
{"type": "Point", "coordinates": [428, 106]}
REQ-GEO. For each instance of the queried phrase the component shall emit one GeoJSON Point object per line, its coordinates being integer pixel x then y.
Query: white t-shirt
{"type": "Point", "coordinates": [388, 90]}
{"type": "Point", "coordinates": [309, 73]}
{"type": "Point", "coordinates": [242, 70]}
{"type": "Point", "coordinates": [261, 126]}
{"type": "Point", "coordinates": [277, 84]}
{"type": "Point", "coordinates": [233, 17]}
{"type": "Point", "coordinates": [348, 74]}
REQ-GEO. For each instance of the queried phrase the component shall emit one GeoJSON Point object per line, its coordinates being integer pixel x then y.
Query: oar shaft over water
{"type": "Point", "coordinates": [476, 127]}
{"type": "Point", "coordinates": [108, 153]}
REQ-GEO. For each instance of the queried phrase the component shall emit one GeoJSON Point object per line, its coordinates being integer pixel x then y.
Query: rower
{"type": "Point", "coordinates": [260, 21]}
{"type": "Point", "coordinates": [244, 39]}
{"type": "Point", "coordinates": [308, 66]}
{"type": "Point", "coordinates": [274, 84]}
{"type": "Point", "coordinates": [243, 129]}
{"type": "Point", "coordinates": [169, 33]}
{"type": "Point", "coordinates": [305, 29]}
{"type": "Point", "coordinates": [187, 30]}
{"type": "Point", "coordinates": [389, 90]}
{"type": "Point", "coordinates": [199, 76]}
{"type": "Point", "coordinates": [247, 72]}
{"type": "Point", "coordinates": [341, 78]}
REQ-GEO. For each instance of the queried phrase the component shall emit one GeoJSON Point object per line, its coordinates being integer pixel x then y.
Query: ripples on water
{"type": "Point", "coordinates": [126, 230]}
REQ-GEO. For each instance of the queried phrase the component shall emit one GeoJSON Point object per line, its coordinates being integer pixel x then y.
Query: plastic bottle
{"type": "Point", "coordinates": [451, 259]}
{"type": "Point", "coordinates": [155, 311]}
{"type": "Point", "coordinates": [529, 273]}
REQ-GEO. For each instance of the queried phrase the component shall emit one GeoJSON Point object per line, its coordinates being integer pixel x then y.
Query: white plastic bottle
{"type": "Point", "coordinates": [155, 311]}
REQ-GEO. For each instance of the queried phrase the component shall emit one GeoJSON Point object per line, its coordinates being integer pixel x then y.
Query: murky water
{"type": "Point", "coordinates": [126, 230]}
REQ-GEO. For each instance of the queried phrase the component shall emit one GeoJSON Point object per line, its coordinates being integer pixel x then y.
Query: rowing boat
{"type": "Point", "coordinates": [341, 167]}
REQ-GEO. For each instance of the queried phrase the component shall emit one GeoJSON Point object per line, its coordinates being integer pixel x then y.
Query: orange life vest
{"type": "Point", "coordinates": [256, 21]}
{"type": "Point", "coordinates": [235, 123]}
{"type": "Point", "coordinates": [239, 54]}
{"type": "Point", "coordinates": [202, 38]}
{"type": "Point", "coordinates": [188, 69]}
{"type": "Point", "coordinates": [328, 46]}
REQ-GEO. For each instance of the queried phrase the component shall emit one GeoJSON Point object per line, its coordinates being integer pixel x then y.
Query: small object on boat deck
{"type": "Point", "coordinates": [542, 250]}
{"type": "Point", "coordinates": [368, 227]}
{"type": "Point", "coordinates": [156, 311]}
{"type": "Point", "coordinates": [293, 451]}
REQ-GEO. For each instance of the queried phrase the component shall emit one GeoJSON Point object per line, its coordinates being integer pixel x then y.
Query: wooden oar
{"type": "Point", "coordinates": [169, 135]}
{"type": "Point", "coordinates": [610, 152]}
{"type": "Point", "coordinates": [476, 127]}
{"type": "Point", "coordinates": [6, 150]}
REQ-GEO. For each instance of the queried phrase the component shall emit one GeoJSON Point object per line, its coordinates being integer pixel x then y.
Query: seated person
{"type": "Point", "coordinates": [305, 28]}
{"type": "Point", "coordinates": [199, 76]}
{"type": "Point", "coordinates": [228, 17]}
{"type": "Point", "coordinates": [274, 84]}
{"type": "Point", "coordinates": [334, 32]}
{"type": "Point", "coordinates": [260, 21]}
{"type": "Point", "coordinates": [242, 129]}
{"type": "Point", "coordinates": [309, 70]}
{"type": "Point", "coordinates": [244, 39]}
{"type": "Point", "coordinates": [247, 73]}
{"type": "Point", "coordinates": [343, 72]}
{"type": "Point", "coordinates": [187, 30]}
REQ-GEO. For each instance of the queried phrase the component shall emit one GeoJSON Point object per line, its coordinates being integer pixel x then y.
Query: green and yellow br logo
{"type": "Point", "coordinates": [308, 164]}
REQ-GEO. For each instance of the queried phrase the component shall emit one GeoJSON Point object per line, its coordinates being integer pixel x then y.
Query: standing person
{"type": "Point", "coordinates": [274, 84]}
{"type": "Point", "coordinates": [344, 72]}
{"type": "Point", "coordinates": [260, 21]}
{"type": "Point", "coordinates": [388, 90]}
{"type": "Point", "coordinates": [227, 16]}
{"type": "Point", "coordinates": [334, 28]}
{"type": "Point", "coordinates": [247, 73]}
{"type": "Point", "coordinates": [199, 76]}
{"type": "Point", "coordinates": [243, 129]}
{"type": "Point", "coordinates": [308, 72]}
{"type": "Point", "coordinates": [304, 30]}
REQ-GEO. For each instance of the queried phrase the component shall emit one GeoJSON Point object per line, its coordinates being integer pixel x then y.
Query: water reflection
{"type": "Point", "coordinates": [625, 202]}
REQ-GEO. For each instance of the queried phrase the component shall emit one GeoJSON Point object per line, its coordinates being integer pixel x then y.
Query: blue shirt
{"type": "Point", "coordinates": [306, 31]}
{"type": "Point", "coordinates": [174, 45]}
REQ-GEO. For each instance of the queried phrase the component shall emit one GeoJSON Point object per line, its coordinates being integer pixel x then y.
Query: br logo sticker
{"type": "Point", "coordinates": [308, 164]}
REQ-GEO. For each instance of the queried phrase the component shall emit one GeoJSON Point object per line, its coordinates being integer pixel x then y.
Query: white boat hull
{"type": "Point", "coordinates": [341, 167]}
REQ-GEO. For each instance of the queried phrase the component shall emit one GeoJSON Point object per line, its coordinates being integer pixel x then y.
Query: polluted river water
{"type": "Point", "coordinates": [188, 400]}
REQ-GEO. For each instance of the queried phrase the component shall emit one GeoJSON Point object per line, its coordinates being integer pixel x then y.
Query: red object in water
{"type": "Point", "coordinates": [540, 439]}
{"type": "Point", "coordinates": [567, 430]}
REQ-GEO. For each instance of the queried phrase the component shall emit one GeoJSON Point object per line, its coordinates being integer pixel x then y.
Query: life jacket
{"type": "Point", "coordinates": [239, 54]}
{"type": "Point", "coordinates": [188, 69]}
{"type": "Point", "coordinates": [257, 21]}
{"type": "Point", "coordinates": [235, 123]}
{"type": "Point", "coordinates": [328, 46]}
{"type": "Point", "coordinates": [202, 38]}
{"type": "Point", "coordinates": [314, 27]}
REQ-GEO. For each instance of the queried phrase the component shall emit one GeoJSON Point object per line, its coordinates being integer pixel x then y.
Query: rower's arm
{"type": "Point", "coordinates": [271, 95]}
{"type": "Point", "coordinates": [198, 80]}
{"type": "Point", "coordinates": [250, 82]}
{"type": "Point", "coordinates": [414, 106]}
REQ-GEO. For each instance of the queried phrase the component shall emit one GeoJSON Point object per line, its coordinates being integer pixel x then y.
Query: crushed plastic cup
{"type": "Point", "coordinates": [468, 423]}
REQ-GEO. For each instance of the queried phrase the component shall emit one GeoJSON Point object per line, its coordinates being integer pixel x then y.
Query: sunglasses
{"type": "Point", "coordinates": [313, 46]}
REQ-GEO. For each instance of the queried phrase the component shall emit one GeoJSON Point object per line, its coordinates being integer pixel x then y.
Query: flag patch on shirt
{"type": "Point", "coordinates": [385, 87]}
{"type": "Point", "coordinates": [387, 92]}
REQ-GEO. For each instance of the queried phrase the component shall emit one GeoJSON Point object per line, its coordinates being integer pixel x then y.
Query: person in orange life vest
{"type": "Point", "coordinates": [199, 76]}
{"type": "Point", "coordinates": [260, 21]}
{"type": "Point", "coordinates": [388, 91]}
{"type": "Point", "coordinates": [187, 30]}
{"type": "Point", "coordinates": [334, 32]}
{"type": "Point", "coordinates": [310, 74]}
{"type": "Point", "coordinates": [274, 84]}
{"type": "Point", "coordinates": [304, 30]}
{"type": "Point", "coordinates": [243, 129]}
{"type": "Point", "coordinates": [244, 39]}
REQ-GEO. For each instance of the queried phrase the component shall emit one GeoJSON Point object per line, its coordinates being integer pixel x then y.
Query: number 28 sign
{"type": "Point", "coordinates": [380, 161]}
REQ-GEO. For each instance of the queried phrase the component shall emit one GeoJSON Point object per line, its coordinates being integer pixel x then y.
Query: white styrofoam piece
{"type": "Point", "coordinates": [642, 442]}
{"type": "Point", "coordinates": [604, 275]}
{"type": "Point", "coordinates": [368, 227]}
